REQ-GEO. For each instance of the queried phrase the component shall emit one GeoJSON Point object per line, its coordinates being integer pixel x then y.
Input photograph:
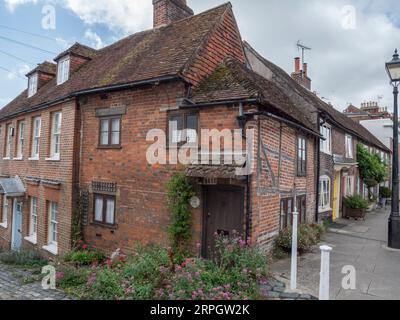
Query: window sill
{"type": "Point", "coordinates": [31, 239]}
{"type": "Point", "coordinates": [110, 147]}
{"type": "Point", "coordinates": [34, 159]}
{"type": "Point", "coordinates": [52, 248]}
{"type": "Point", "coordinates": [18, 159]}
{"type": "Point", "coordinates": [57, 158]}
{"type": "Point", "coordinates": [4, 225]}
{"type": "Point", "coordinates": [104, 225]}
{"type": "Point", "coordinates": [6, 158]}
{"type": "Point", "coordinates": [323, 210]}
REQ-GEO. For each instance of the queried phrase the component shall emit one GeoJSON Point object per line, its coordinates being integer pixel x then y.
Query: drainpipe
{"type": "Point", "coordinates": [242, 120]}
{"type": "Point", "coordinates": [318, 174]}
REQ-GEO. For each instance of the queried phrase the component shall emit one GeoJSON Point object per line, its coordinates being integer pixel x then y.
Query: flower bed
{"type": "Point", "coordinates": [153, 273]}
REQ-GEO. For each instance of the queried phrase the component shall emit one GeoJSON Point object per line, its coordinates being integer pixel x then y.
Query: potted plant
{"type": "Point", "coordinates": [384, 194]}
{"type": "Point", "coordinates": [355, 207]}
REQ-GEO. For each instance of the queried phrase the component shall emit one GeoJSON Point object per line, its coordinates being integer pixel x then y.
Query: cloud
{"type": "Point", "coordinates": [97, 42]}
{"type": "Point", "coordinates": [20, 72]}
{"type": "Point", "coordinates": [11, 5]}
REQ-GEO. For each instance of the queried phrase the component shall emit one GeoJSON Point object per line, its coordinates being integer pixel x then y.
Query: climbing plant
{"type": "Point", "coordinates": [76, 227]}
{"type": "Point", "coordinates": [179, 192]}
{"type": "Point", "coordinates": [372, 170]}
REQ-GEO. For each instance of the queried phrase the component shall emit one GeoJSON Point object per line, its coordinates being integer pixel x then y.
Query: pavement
{"type": "Point", "coordinates": [360, 244]}
{"type": "Point", "coordinates": [18, 284]}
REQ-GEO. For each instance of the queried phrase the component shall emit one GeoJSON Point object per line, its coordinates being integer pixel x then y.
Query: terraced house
{"type": "Point", "coordinates": [337, 165]}
{"type": "Point", "coordinates": [75, 144]}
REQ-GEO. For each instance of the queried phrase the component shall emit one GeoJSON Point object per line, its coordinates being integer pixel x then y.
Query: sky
{"type": "Point", "coordinates": [350, 39]}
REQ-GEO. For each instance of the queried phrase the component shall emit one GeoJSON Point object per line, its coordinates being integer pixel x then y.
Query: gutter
{"type": "Point", "coordinates": [217, 103]}
{"type": "Point", "coordinates": [289, 122]}
{"type": "Point", "coordinates": [97, 90]}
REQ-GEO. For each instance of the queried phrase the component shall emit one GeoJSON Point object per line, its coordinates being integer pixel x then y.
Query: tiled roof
{"type": "Point", "coordinates": [329, 111]}
{"type": "Point", "coordinates": [79, 50]}
{"type": "Point", "coordinates": [45, 67]}
{"type": "Point", "coordinates": [233, 80]}
{"type": "Point", "coordinates": [164, 51]}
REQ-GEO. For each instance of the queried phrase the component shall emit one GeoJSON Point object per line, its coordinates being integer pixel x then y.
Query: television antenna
{"type": "Point", "coordinates": [303, 49]}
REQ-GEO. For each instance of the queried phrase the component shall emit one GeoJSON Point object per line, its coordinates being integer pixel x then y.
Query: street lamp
{"type": "Point", "coordinates": [393, 70]}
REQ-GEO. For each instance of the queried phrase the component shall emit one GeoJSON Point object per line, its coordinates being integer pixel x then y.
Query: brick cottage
{"type": "Point", "coordinates": [75, 142]}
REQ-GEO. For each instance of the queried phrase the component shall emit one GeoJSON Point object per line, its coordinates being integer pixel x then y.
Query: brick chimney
{"type": "Point", "coordinates": [168, 11]}
{"type": "Point", "coordinates": [301, 76]}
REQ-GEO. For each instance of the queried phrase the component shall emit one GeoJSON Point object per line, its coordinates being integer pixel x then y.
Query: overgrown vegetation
{"type": "Point", "coordinates": [84, 255]}
{"type": "Point", "coordinates": [355, 202]}
{"type": "Point", "coordinates": [308, 237]}
{"type": "Point", "coordinates": [372, 170]}
{"type": "Point", "coordinates": [179, 192]}
{"type": "Point", "coordinates": [153, 273]}
{"type": "Point", "coordinates": [26, 259]}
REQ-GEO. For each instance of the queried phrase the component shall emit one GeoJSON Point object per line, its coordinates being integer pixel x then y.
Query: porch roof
{"type": "Point", "coordinates": [12, 187]}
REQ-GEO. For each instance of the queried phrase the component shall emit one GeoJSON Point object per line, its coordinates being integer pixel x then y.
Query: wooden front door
{"type": "Point", "coordinates": [336, 196]}
{"type": "Point", "coordinates": [223, 214]}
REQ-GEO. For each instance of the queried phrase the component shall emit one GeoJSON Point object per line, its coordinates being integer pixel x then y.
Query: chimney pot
{"type": "Point", "coordinates": [297, 65]}
{"type": "Point", "coordinates": [305, 69]}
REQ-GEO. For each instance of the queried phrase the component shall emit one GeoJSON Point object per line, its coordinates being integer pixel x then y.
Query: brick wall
{"type": "Point", "coordinates": [268, 189]}
{"type": "Point", "coordinates": [43, 170]}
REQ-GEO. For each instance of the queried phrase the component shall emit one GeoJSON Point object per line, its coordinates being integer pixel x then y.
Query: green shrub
{"type": "Point", "coordinates": [235, 274]}
{"type": "Point", "coordinates": [385, 192]}
{"type": "Point", "coordinates": [84, 257]}
{"type": "Point", "coordinates": [308, 237]}
{"type": "Point", "coordinates": [71, 278]}
{"type": "Point", "coordinates": [355, 202]}
{"type": "Point", "coordinates": [138, 277]}
{"type": "Point", "coordinates": [23, 258]}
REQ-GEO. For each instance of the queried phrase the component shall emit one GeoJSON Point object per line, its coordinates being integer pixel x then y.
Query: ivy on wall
{"type": "Point", "coordinates": [179, 192]}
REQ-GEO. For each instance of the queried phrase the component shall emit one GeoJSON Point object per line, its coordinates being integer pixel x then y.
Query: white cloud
{"type": "Point", "coordinates": [20, 72]}
{"type": "Point", "coordinates": [97, 42]}
{"type": "Point", "coordinates": [11, 5]}
{"type": "Point", "coordinates": [118, 15]}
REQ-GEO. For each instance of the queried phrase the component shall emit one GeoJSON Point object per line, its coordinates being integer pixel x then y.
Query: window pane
{"type": "Point", "coordinates": [175, 127]}
{"type": "Point", "coordinates": [104, 125]}
{"type": "Point", "coordinates": [98, 211]}
{"type": "Point", "coordinates": [110, 211]}
{"type": "Point", "coordinates": [116, 124]}
{"type": "Point", "coordinates": [115, 138]}
{"type": "Point", "coordinates": [104, 138]}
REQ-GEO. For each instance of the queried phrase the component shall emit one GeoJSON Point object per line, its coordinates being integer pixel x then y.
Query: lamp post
{"type": "Point", "coordinates": [393, 70]}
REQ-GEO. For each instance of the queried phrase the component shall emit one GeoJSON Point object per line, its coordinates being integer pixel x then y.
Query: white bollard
{"type": "Point", "coordinates": [324, 275]}
{"type": "Point", "coordinates": [293, 273]}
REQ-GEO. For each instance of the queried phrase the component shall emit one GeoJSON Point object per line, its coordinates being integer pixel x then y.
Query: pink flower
{"type": "Point", "coordinates": [60, 276]}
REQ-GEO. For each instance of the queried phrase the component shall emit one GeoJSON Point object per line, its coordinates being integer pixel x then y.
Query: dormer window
{"type": "Point", "coordinates": [63, 70]}
{"type": "Point", "coordinates": [32, 85]}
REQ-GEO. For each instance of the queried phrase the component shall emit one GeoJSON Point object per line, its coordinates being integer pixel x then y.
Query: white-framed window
{"type": "Point", "coordinates": [37, 124]}
{"type": "Point", "coordinates": [63, 70]}
{"type": "Point", "coordinates": [349, 188]}
{"type": "Point", "coordinates": [349, 146]}
{"type": "Point", "coordinates": [10, 132]}
{"type": "Point", "coordinates": [53, 223]}
{"type": "Point", "coordinates": [358, 186]}
{"type": "Point", "coordinates": [32, 85]}
{"type": "Point", "coordinates": [324, 193]}
{"type": "Point", "coordinates": [33, 218]}
{"type": "Point", "coordinates": [326, 145]}
{"type": "Point", "coordinates": [55, 135]}
{"type": "Point", "coordinates": [21, 141]}
{"type": "Point", "coordinates": [4, 213]}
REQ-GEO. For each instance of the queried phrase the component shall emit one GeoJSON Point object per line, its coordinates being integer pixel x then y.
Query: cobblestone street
{"type": "Point", "coordinates": [16, 284]}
